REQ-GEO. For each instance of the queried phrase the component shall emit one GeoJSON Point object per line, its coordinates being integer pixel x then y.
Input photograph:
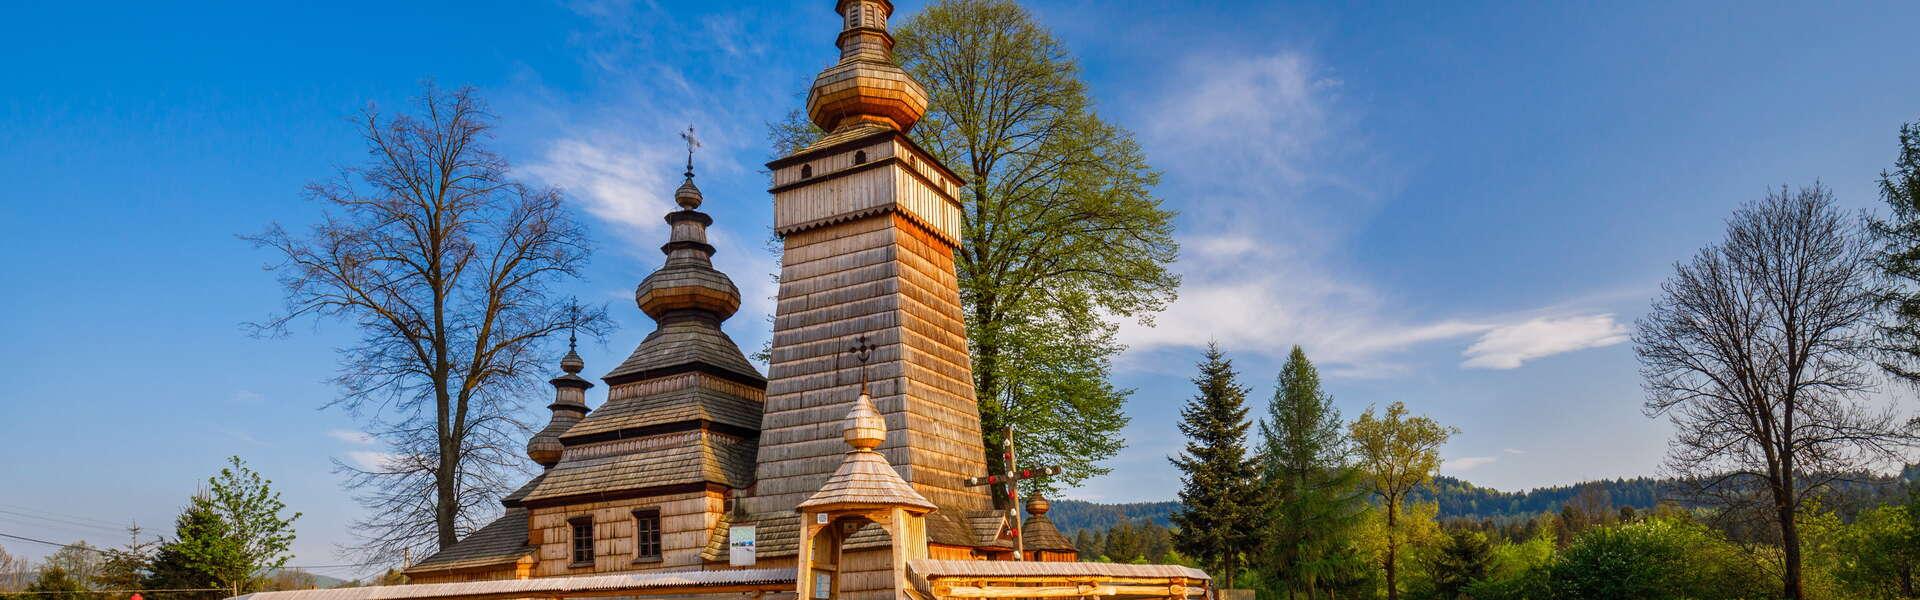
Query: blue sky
{"type": "Point", "coordinates": [1458, 206]}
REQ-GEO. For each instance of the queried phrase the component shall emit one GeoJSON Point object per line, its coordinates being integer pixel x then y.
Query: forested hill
{"type": "Point", "coordinates": [1457, 498]}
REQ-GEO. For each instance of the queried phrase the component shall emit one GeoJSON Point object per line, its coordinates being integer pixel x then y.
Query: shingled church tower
{"type": "Point", "coordinates": [870, 224]}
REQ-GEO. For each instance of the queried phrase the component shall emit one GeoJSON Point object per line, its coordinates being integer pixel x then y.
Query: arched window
{"type": "Point", "coordinates": [806, 171]}
{"type": "Point", "coordinates": [860, 157]}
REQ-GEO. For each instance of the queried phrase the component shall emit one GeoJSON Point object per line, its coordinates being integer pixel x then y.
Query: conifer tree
{"type": "Point", "coordinates": [1219, 497]}
{"type": "Point", "coordinates": [1312, 492]}
{"type": "Point", "coordinates": [54, 583]}
{"type": "Point", "coordinates": [1462, 562]}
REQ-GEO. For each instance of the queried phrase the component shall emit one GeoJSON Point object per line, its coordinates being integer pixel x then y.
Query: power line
{"type": "Point", "coordinates": [64, 515]}
{"type": "Point", "coordinates": [111, 553]}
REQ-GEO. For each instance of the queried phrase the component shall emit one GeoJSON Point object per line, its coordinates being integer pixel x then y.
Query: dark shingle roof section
{"type": "Point", "coordinates": [513, 499]}
{"type": "Point", "coordinates": [686, 404]}
{"type": "Point", "coordinates": [686, 341]}
{"type": "Point", "coordinates": [503, 541]}
{"type": "Point", "coordinates": [1040, 534]}
{"type": "Point", "coordinates": [669, 459]}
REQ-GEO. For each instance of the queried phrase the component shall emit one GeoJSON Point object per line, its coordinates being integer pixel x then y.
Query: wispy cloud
{"type": "Point", "coordinates": [1287, 177]}
{"type": "Point", "coordinates": [1513, 451]}
{"type": "Point", "coordinates": [247, 397]}
{"type": "Point", "coordinates": [1466, 463]}
{"type": "Point", "coordinates": [369, 460]}
{"type": "Point", "coordinates": [1509, 346]}
{"type": "Point", "coordinates": [357, 438]}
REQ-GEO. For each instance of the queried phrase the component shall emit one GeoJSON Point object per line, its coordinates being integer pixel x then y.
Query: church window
{"type": "Point", "coordinates": [646, 534]}
{"type": "Point", "coordinates": [806, 171]}
{"type": "Point", "coordinates": [582, 540]}
{"type": "Point", "coordinates": [860, 157]}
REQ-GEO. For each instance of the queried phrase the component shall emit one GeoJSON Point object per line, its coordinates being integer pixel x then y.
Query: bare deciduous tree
{"type": "Point", "coordinates": [446, 264]}
{"type": "Point", "coordinates": [1758, 351]}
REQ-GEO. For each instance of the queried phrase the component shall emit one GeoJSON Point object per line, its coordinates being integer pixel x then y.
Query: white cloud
{"type": "Point", "coordinates": [247, 397]}
{"type": "Point", "coordinates": [368, 460]}
{"type": "Point", "coordinates": [1513, 451]}
{"type": "Point", "coordinates": [1285, 177]}
{"type": "Point", "coordinates": [621, 181]}
{"type": "Point", "coordinates": [358, 438]}
{"type": "Point", "coordinates": [1466, 463]}
{"type": "Point", "coordinates": [1509, 346]}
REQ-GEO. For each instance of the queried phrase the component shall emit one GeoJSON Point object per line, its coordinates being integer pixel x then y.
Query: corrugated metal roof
{"type": "Point", "coordinates": [590, 585]}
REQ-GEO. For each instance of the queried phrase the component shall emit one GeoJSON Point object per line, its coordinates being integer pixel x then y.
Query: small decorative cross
{"type": "Point", "coordinates": [862, 350]}
{"type": "Point", "coordinates": [692, 143]}
{"type": "Point", "coordinates": [1012, 478]}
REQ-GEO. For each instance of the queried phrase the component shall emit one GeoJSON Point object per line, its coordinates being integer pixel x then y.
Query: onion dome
{"type": "Point", "coordinates": [569, 407]}
{"type": "Point", "coordinates": [864, 479]}
{"type": "Point", "coordinates": [1040, 532]}
{"type": "Point", "coordinates": [865, 87]}
{"type": "Point", "coordinates": [688, 299]}
{"type": "Point", "coordinates": [688, 280]}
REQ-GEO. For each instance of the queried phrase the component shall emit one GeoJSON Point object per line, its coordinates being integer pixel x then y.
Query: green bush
{"type": "Point", "coordinates": [1657, 559]}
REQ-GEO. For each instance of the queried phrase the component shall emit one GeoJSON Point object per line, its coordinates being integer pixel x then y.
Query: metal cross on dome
{"type": "Point", "coordinates": [1012, 478]}
{"type": "Point", "coordinates": [692, 144]}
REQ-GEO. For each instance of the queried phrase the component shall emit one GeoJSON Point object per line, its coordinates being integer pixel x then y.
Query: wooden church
{"type": "Point", "coordinates": [842, 472]}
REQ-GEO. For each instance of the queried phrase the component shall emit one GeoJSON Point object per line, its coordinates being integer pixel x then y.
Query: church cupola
{"type": "Point", "coordinates": [865, 87]}
{"type": "Point", "coordinates": [569, 407]}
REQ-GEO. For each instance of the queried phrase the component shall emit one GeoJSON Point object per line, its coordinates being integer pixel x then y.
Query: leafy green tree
{"type": "Point", "coordinates": [1657, 559]}
{"type": "Point", "coordinates": [54, 583]}
{"type": "Point", "coordinates": [1396, 454]}
{"type": "Point", "coordinates": [1219, 495]}
{"type": "Point", "coordinates": [229, 537]}
{"type": "Point", "coordinates": [1466, 559]}
{"type": "Point", "coordinates": [1063, 232]}
{"type": "Point", "coordinates": [1312, 492]}
{"type": "Point", "coordinates": [1878, 553]}
{"type": "Point", "coordinates": [254, 516]}
{"type": "Point", "coordinates": [203, 554]}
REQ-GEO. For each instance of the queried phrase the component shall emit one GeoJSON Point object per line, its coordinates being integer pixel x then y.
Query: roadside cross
{"type": "Point", "coordinates": [1012, 477]}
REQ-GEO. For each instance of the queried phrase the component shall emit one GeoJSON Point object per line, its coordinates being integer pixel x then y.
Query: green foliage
{"type": "Point", "coordinates": [1876, 555]}
{"type": "Point", "coordinates": [1397, 453]}
{"type": "Point", "coordinates": [1466, 559]}
{"type": "Point", "coordinates": [1220, 502]}
{"type": "Point", "coordinates": [127, 567]}
{"type": "Point", "coordinates": [1657, 559]}
{"type": "Point", "coordinates": [1128, 542]}
{"type": "Point", "coordinates": [1312, 493]}
{"type": "Point", "coordinates": [229, 537]}
{"type": "Point", "coordinates": [55, 583]}
{"type": "Point", "coordinates": [1062, 227]}
{"type": "Point", "coordinates": [1899, 257]}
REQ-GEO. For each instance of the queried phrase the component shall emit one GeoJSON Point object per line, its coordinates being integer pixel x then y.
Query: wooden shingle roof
{"type": "Point", "coordinates": [650, 462]}
{"type": "Point", "coordinates": [685, 342]}
{"type": "Point", "coordinates": [681, 405]}
{"type": "Point", "coordinates": [504, 541]}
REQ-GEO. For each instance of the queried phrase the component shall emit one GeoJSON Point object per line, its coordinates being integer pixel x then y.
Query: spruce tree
{"type": "Point", "coordinates": [1462, 562]}
{"type": "Point", "coordinates": [1219, 497]}
{"type": "Point", "coordinates": [1312, 492]}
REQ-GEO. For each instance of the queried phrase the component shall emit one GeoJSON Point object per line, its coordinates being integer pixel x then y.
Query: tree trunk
{"type": "Point", "coordinates": [1393, 571]}
{"type": "Point", "coordinates": [1790, 549]}
{"type": "Point", "coordinates": [446, 502]}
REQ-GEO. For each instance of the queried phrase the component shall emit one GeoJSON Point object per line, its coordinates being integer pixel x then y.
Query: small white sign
{"type": "Point", "coordinates": [740, 545]}
{"type": "Point", "coordinates": [822, 585]}
{"type": "Point", "coordinates": [819, 518]}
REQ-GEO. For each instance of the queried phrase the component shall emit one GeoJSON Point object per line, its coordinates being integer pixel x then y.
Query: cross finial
{"type": "Point", "coordinates": [692, 143]}
{"type": "Point", "coordinates": [862, 350]}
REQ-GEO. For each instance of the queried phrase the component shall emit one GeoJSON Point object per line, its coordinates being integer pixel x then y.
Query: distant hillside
{"type": "Point", "coordinates": [1458, 499]}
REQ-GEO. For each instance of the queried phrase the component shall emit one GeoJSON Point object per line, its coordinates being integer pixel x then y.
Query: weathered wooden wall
{"type": "Point", "coordinates": [686, 523]}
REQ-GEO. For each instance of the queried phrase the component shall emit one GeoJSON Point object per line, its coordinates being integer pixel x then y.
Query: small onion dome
{"type": "Point", "coordinates": [1038, 505]}
{"type": "Point", "coordinates": [688, 196]}
{"type": "Point", "coordinates": [696, 287]}
{"type": "Point", "coordinates": [865, 86]}
{"type": "Point", "coordinates": [865, 428]}
{"type": "Point", "coordinates": [545, 450]}
{"type": "Point", "coordinates": [572, 363]}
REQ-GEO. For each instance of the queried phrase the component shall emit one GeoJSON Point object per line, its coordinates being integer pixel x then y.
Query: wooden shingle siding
{"type": "Point", "coordinates": [686, 523]}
